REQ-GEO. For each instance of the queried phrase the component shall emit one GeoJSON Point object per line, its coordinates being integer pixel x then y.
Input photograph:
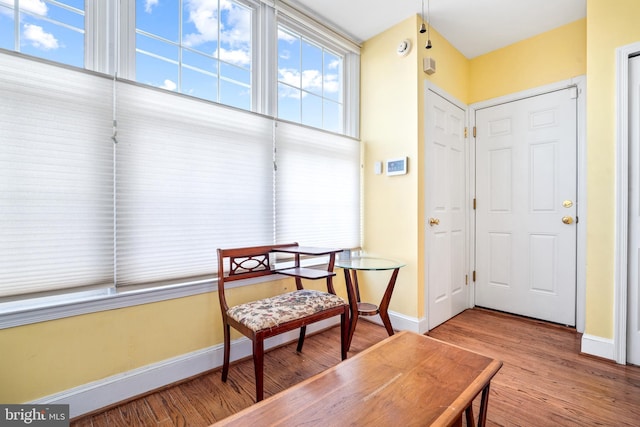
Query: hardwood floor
{"type": "Point", "coordinates": [544, 380]}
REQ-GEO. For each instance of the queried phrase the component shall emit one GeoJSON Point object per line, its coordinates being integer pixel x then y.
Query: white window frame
{"type": "Point", "coordinates": [126, 58]}
{"type": "Point", "coordinates": [308, 28]}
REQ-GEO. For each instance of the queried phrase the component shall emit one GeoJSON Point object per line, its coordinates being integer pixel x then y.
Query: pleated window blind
{"type": "Point", "coordinates": [56, 180]}
{"type": "Point", "coordinates": [185, 177]}
{"type": "Point", "coordinates": [191, 177]}
{"type": "Point", "coordinates": [317, 187]}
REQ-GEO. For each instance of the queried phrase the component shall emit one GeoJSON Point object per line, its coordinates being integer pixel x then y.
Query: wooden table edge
{"type": "Point", "coordinates": [467, 397]}
{"type": "Point", "coordinates": [280, 395]}
{"type": "Point", "coordinates": [446, 419]}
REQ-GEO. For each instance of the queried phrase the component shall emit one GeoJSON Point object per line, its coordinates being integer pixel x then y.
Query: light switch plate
{"type": "Point", "coordinates": [377, 168]}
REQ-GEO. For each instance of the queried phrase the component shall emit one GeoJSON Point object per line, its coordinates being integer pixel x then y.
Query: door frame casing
{"type": "Point", "coordinates": [437, 91]}
{"type": "Point", "coordinates": [621, 261]}
{"type": "Point", "coordinates": [580, 83]}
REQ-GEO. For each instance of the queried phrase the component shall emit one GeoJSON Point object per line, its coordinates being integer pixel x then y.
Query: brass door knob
{"type": "Point", "coordinates": [434, 221]}
{"type": "Point", "coordinates": [567, 220]}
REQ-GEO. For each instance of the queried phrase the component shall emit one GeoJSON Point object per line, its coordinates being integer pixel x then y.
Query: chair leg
{"type": "Point", "coordinates": [258, 365]}
{"type": "Point", "coordinates": [227, 351]}
{"type": "Point", "coordinates": [303, 331]}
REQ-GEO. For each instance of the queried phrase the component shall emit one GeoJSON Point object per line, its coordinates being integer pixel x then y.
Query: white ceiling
{"type": "Point", "coordinates": [474, 27]}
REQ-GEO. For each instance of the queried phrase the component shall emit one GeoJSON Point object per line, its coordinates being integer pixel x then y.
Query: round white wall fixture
{"type": "Point", "coordinates": [404, 47]}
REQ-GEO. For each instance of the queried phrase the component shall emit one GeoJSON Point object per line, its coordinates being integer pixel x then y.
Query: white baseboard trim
{"type": "Point", "coordinates": [400, 322]}
{"type": "Point", "coordinates": [117, 388]}
{"type": "Point", "coordinates": [597, 346]}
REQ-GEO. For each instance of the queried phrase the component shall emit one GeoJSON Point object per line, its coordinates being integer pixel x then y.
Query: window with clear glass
{"type": "Point", "coordinates": [53, 30]}
{"type": "Point", "coordinates": [310, 82]}
{"type": "Point", "coordinates": [196, 47]}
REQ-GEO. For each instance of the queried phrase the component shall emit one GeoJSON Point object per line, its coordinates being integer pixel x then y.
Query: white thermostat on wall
{"type": "Point", "coordinates": [397, 166]}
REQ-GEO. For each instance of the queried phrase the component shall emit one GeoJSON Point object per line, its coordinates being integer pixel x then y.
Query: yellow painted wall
{"type": "Point", "coordinates": [547, 58]}
{"type": "Point", "coordinates": [389, 129]}
{"type": "Point", "coordinates": [392, 106]}
{"type": "Point", "coordinates": [45, 358]}
{"type": "Point", "coordinates": [49, 357]}
{"type": "Point", "coordinates": [610, 24]}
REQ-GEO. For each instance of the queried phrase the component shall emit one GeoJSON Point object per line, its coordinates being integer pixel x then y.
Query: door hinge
{"type": "Point", "coordinates": [474, 276]}
{"type": "Point", "coordinates": [573, 92]}
{"type": "Point", "coordinates": [474, 131]}
{"type": "Point", "coordinates": [465, 132]}
{"type": "Point", "coordinates": [474, 203]}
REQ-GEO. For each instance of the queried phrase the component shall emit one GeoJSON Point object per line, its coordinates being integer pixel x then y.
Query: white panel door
{"type": "Point", "coordinates": [633, 324]}
{"type": "Point", "coordinates": [446, 176]}
{"type": "Point", "coordinates": [525, 188]}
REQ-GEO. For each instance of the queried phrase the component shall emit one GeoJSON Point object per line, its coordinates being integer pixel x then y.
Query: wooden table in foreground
{"type": "Point", "coordinates": [404, 380]}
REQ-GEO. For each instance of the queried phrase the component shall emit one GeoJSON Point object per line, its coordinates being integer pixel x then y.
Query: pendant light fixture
{"type": "Point", "coordinates": [423, 28]}
{"type": "Point", "coordinates": [428, 45]}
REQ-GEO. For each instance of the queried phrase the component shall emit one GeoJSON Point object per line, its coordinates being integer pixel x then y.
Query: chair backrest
{"type": "Point", "coordinates": [244, 263]}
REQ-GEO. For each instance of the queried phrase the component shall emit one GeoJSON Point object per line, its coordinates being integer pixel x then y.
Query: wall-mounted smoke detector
{"type": "Point", "coordinates": [404, 47]}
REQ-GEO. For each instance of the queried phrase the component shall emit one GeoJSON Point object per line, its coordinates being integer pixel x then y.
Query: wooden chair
{"type": "Point", "coordinates": [259, 320]}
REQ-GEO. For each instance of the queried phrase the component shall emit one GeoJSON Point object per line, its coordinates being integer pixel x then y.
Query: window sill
{"type": "Point", "coordinates": [24, 312]}
{"type": "Point", "coordinates": [18, 312]}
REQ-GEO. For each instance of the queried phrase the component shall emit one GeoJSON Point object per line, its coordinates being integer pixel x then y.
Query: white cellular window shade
{"type": "Point", "coordinates": [317, 187]}
{"type": "Point", "coordinates": [191, 177]}
{"type": "Point", "coordinates": [56, 182]}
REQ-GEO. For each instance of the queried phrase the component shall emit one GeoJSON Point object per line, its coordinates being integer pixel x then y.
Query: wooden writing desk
{"type": "Point", "coordinates": [405, 380]}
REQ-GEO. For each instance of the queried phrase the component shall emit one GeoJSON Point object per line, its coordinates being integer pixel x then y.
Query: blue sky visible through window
{"type": "Point", "coordinates": [50, 30]}
{"type": "Point", "coordinates": [197, 47]}
{"type": "Point", "coordinates": [201, 48]}
{"type": "Point", "coordinates": [309, 82]}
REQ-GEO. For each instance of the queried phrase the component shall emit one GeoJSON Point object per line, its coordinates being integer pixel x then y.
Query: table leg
{"type": "Point", "coordinates": [353, 305]}
{"type": "Point", "coordinates": [386, 299]}
{"type": "Point", "coordinates": [469, 414]}
{"type": "Point", "coordinates": [484, 403]}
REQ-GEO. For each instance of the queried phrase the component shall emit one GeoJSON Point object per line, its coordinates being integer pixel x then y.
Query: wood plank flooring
{"type": "Point", "coordinates": [544, 380]}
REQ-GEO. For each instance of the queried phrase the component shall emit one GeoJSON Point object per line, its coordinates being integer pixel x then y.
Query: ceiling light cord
{"type": "Point", "coordinates": [423, 28]}
{"type": "Point", "coordinates": [428, 45]}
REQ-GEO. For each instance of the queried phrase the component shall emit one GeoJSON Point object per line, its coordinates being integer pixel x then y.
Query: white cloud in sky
{"type": "Point", "coordinates": [237, 56]}
{"type": "Point", "coordinates": [235, 32]}
{"type": "Point", "coordinates": [331, 83]}
{"type": "Point", "coordinates": [288, 92]}
{"type": "Point", "coordinates": [39, 38]}
{"type": "Point", "coordinates": [289, 76]}
{"type": "Point", "coordinates": [312, 80]}
{"type": "Point", "coordinates": [169, 85]}
{"type": "Point", "coordinates": [285, 36]}
{"type": "Point", "coordinates": [149, 5]}
{"type": "Point", "coordinates": [204, 16]}
{"type": "Point", "coordinates": [37, 7]}
{"type": "Point", "coordinates": [285, 54]}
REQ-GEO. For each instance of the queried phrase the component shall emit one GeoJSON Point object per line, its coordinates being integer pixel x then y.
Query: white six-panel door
{"type": "Point", "coordinates": [526, 207]}
{"type": "Point", "coordinates": [633, 296]}
{"type": "Point", "coordinates": [446, 237]}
